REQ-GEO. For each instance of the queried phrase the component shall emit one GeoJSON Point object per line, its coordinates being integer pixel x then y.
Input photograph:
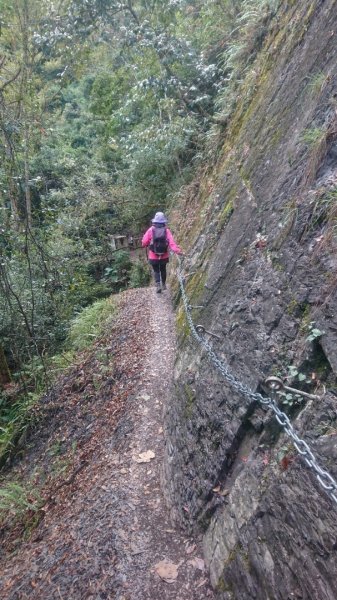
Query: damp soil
{"type": "Point", "coordinates": [103, 528]}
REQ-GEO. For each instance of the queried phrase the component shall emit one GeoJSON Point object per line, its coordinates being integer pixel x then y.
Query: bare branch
{"type": "Point", "coordinates": [7, 83]}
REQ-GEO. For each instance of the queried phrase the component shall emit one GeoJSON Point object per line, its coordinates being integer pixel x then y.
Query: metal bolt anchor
{"type": "Point", "coordinates": [201, 329]}
{"type": "Point", "coordinates": [276, 384]}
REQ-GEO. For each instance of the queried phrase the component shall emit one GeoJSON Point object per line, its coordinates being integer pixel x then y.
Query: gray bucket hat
{"type": "Point", "coordinates": [159, 217]}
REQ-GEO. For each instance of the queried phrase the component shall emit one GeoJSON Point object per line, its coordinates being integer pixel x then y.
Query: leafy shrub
{"type": "Point", "coordinates": [139, 274]}
{"type": "Point", "coordinates": [118, 273]}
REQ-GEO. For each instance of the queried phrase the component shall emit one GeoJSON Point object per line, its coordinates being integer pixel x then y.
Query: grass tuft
{"type": "Point", "coordinates": [91, 323]}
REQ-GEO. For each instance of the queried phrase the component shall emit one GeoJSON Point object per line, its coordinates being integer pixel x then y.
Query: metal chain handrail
{"type": "Point", "coordinates": [324, 478]}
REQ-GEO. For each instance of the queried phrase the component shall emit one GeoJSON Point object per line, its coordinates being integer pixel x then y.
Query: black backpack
{"type": "Point", "coordinates": [159, 244]}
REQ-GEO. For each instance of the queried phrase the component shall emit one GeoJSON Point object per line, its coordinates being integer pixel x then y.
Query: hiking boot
{"type": "Point", "coordinates": [164, 287]}
{"type": "Point", "coordinates": [158, 288]}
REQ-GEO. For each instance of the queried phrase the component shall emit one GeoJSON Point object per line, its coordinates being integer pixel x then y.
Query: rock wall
{"type": "Point", "coordinates": [263, 265]}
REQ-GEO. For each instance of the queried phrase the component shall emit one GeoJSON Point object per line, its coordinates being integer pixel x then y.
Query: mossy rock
{"type": "Point", "coordinates": [182, 324]}
{"type": "Point", "coordinates": [190, 400]}
{"type": "Point", "coordinates": [225, 214]}
{"type": "Point", "coordinates": [195, 286]}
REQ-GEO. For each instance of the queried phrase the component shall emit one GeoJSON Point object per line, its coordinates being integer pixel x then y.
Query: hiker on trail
{"type": "Point", "coordinates": [160, 241]}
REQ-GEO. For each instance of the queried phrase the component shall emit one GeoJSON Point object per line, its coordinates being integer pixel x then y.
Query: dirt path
{"type": "Point", "coordinates": [153, 539]}
{"type": "Point", "coordinates": [110, 534]}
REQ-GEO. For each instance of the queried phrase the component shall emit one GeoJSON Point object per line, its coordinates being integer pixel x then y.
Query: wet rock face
{"type": "Point", "coordinates": [268, 281]}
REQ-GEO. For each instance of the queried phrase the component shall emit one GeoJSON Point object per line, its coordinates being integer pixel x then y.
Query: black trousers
{"type": "Point", "coordinates": [159, 269]}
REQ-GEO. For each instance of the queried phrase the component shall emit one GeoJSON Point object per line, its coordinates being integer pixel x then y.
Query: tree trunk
{"type": "Point", "coordinates": [25, 109]}
{"type": "Point", "coordinates": [5, 375]}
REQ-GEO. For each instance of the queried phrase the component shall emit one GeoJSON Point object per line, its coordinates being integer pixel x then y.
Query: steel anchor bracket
{"type": "Point", "coordinates": [201, 329]}
{"type": "Point", "coordinates": [275, 384]}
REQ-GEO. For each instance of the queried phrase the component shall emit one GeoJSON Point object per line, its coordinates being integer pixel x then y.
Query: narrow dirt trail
{"type": "Point", "coordinates": [110, 535]}
{"type": "Point", "coordinates": [153, 539]}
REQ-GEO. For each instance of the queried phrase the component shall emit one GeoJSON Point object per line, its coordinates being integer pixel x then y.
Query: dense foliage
{"type": "Point", "coordinates": [105, 110]}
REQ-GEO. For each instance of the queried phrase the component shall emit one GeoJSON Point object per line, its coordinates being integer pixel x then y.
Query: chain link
{"type": "Point", "coordinates": [324, 478]}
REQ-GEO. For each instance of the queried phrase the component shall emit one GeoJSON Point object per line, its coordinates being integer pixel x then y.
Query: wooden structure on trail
{"type": "Point", "coordinates": [124, 242]}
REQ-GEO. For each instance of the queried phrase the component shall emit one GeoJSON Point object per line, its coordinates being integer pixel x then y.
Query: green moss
{"type": "Point", "coordinates": [277, 265]}
{"type": "Point", "coordinates": [288, 35]}
{"type": "Point", "coordinates": [190, 399]}
{"type": "Point", "coordinates": [195, 286]}
{"type": "Point", "coordinates": [275, 138]}
{"type": "Point", "coordinates": [225, 214]}
{"type": "Point", "coordinates": [312, 135]}
{"type": "Point", "coordinates": [310, 13]}
{"type": "Point", "coordinates": [292, 307]}
{"type": "Point", "coordinates": [232, 555]}
{"type": "Point", "coordinates": [238, 553]}
{"type": "Point", "coordinates": [306, 318]}
{"type": "Point", "coordinates": [224, 586]}
{"type": "Point", "coordinates": [182, 327]}
{"type": "Point", "coordinates": [316, 83]}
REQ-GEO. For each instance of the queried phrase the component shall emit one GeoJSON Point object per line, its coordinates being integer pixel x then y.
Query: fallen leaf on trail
{"type": "Point", "coordinates": [115, 459]}
{"type": "Point", "coordinates": [285, 462]}
{"type": "Point", "coordinates": [190, 549]}
{"type": "Point", "coordinates": [218, 490]}
{"type": "Point", "coordinates": [145, 457]}
{"type": "Point", "coordinates": [167, 571]}
{"type": "Point", "coordinates": [265, 459]}
{"type": "Point", "coordinates": [198, 563]}
{"type": "Point", "coordinates": [202, 582]}
{"type": "Point", "coordinates": [122, 534]}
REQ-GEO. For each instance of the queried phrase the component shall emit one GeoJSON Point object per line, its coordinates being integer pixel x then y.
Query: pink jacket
{"type": "Point", "coordinates": [146, 241]}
